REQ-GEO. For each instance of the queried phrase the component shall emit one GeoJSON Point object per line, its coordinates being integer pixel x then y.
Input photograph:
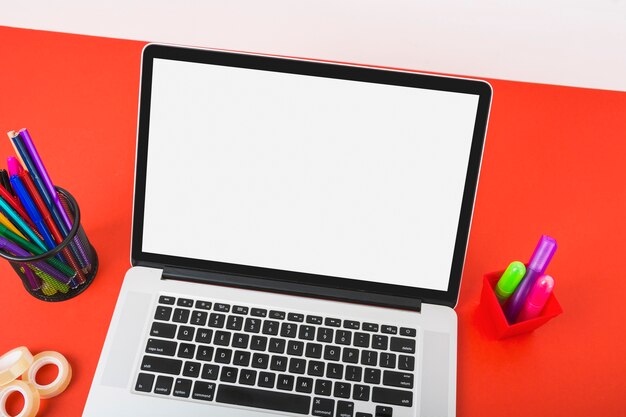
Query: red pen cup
{"type": "Point", "coordinates": [494, 315]}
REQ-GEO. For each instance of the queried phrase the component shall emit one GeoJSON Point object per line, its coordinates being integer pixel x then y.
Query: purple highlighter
{"type": "Point", "coordinates": [536, 267]}
{"type": "Point", "coordinates": [14, 249]}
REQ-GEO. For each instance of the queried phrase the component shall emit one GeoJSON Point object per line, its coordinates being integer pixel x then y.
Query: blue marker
{"type": "Point", "coordinates": [32, 211]}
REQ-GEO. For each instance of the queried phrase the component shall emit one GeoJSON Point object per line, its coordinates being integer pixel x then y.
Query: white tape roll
{"type": "Point", "coordinates": [31, 399]}
{"type": "Point", "coordinates": [14, 363]}
{"type": "Point", "coordinates": [60, 382]}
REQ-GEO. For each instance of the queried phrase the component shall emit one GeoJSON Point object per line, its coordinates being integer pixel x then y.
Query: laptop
{"type": "Point", "coordinates": [299, 234]}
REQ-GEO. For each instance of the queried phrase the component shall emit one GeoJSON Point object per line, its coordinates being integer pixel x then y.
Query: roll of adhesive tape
{"type": "Point", "coordinates": [31, 399]}
{"type": "Point", "coordinates": [60, 382]}
{"type": "Point", "coordinates": [14, 363]}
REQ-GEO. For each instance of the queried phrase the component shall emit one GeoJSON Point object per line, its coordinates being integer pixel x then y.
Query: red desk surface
{"type": "Point", "coordinates": [554, 163]}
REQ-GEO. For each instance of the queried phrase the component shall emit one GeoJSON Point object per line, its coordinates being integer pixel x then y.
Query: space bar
{"type": "Point", "coordinates": [270, 400]}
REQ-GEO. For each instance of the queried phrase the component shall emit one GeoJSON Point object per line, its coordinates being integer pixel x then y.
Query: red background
{"type": "Point", "coordinates": [554, 163]}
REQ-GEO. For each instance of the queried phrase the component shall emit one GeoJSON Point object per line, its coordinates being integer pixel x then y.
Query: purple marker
{"type": "Point", "coordinates": [17, 251]}
{"type": "Point", "coordinates": [33, 281]}
{"type": "Point", "coordinates": [536, 267]}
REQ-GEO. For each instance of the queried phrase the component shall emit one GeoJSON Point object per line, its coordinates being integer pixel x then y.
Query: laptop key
{"type": "Point", "coordinates": [342, 390]}
{"type": "Point", "coordinates": [234, 323]}
{"type": "Point", "coordinates": [372, 376]}
{"type": "Point", "coordinates": [380, 342]}
{"type": "Point", "coordinates": [370, 327]}
{"type": "Point", "coordinates": [223, 355]}
{"type": "Point", "coordinates": [185, 333]}
{"type": "Point", "coordinates": [354, 373]}
{"type": "Point", "coordinates": [163, 385]}
{"type": "Point", "coordinates": [334, 371]}
{"type": "Point", "coordinates": [306, 332]}
{"type": "Point", "coordinates": [266, 379]}
{"type": "Point", "coordinates": [204, 353]}
{"type": "Point", "coordinates": [258, 312]}
{"type": "Point", "coordinates": [343, 337]}
{"type": "Point", "coordinates": [161, 347]}
{"type": "Point", "coordinates": [161, 365]}
{"type": "Point", "coordinates": [332, 353]}
{"type": "Point", "coordinates": [399, 344]}
{"type": "Point", "coordinates": [313, 350]}
{"type": "Point", "coordinates": [323, 387]}
{"type": "Point", "coordinates": [144, 382]}
{"type": "Point", "coordinates": [277, 315]}
{"type": "Point", "coordinates": [406, 363]}
{"type": "Point", "coordinates": [270, 327]}
{"type": "Point", "coordinates": [192, 369]}
{"type": "Point", "coordinates": [242, 358]}
{"type": "Point", "coordinates": [181, 315]}
{"type": "Point", "coordinates": [182, 387]}
{"type": "Point", "coordinates": [277, 345]}
{"type": "Point", "coordinates": [314, 319]}
{"type": "Point", "coordinates": [204, 335]}
{"type": "Point", "coordinates": [332, 322]}
{"type": "Point", "coordinates": [389, 329]}
{"type": "Point", "coordinates": [224, 308]}
{"type": "Point", "coordinates": [361, 392]}
{"type": "Point", "coordinates": [295, 348]}
{"type": "Point", "coordinates": [203, 305]}
{"type": "Point", "coordinates": [364, 415]}
{"type": "Point", "coordinates": [221, 338]}
{"type": "Point", "coordinates": [325, 335]}
{"type": "Point", "coordinates": [382, 411]}
{"type": "Point", "coordinates": [285, 382]}
{"type": "Point", "coordinates": [323, 407]}
{"type": "Point", "coordinates": [297, 366]}
{"type": "Point", "coordinates": [240, 310]}
{"type": "Point", "coordinates": [316, 368]}
{"type": "Point", "coordinates": [240, 340]}
{"type": "Point", "coordinates": [163, 313]}
{"type": "Point", "coordinates": [270, 400]}
{"type": "Point", "coordinates": [165, 330]}
{"type": "Point", "coordinates": [184, 302]}
{"type": "Point", "coordinates": [298, 318]}
{"type": "Point", "coordinates": [392, 396]}
{"type": "Point", "coordinates": [199, 318]}
{"type": "Point", "coordinates": [252, 325]}
{"type": "Point", "coordinates": [350, 355]}
{"type": "Point", "coordinates": [351, 324]}
{"type": "Point", "coordinates": [210, 372]}
{"type": "Point", "coordinates": [247, 377]}
{"type": "Point", "coordinates": [369, 357]}
{"type": "Point", "coordinates": [228, 374]}
{"type": "Point", "coordinates": [362, 340]}
{"type": "Point", "coordinates": [406, 331]}
{"type": "Point", "coordinates": [345, 409]}
{"type": "Point", "coordinates": [217, 320]}
{"type": "Point", "coordinates": [260, 360]}
{"type": "Point", "coordinates": [186, 350]}
{"type": "Point", "coordinates": [166, 299]}
{"type": "Point", "coordinates": [387, 360]}
{"type": "Point", "coordinates": [289, 330]}
{"type": "Point", "coordinates": [278, 363]}
{"type": "Point", "coordinates": [258, 343]}
{"type": "Point", "coordinates": [304, 384]}
{"type": "Point", "coordinates": [398, 379]}
{"type": "Point", "coordinates": [203, 391]}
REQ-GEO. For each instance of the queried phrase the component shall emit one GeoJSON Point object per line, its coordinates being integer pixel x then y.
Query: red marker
{"type": "Point", "coordinates": [16, 206]}
{"type": "Point", "coordinates": [537, 298]}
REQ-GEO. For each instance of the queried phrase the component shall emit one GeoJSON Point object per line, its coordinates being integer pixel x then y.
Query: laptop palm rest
{"type": "Point", "coordinates": [435, 372]}
{"type": "Point", "coordinates": [119, 365]}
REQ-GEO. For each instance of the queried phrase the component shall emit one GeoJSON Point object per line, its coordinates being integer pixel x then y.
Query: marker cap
{"type": "Point", "coordinates": [540, 292]}
{"type": "Point", "coordinates": [543, 254]}
{"type": "Point", "coordinates": [510, 279]}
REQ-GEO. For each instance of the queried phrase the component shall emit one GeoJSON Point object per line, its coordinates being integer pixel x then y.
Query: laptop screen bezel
{"type": "Point", "coordinates": [317, 69]}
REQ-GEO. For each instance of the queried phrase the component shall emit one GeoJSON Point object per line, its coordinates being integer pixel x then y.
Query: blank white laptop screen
{"type": "Point", "coordinates": [308, 174]}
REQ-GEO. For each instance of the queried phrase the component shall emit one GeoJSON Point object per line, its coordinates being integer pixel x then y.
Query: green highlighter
{"type": "Point", "coordinates": [509, 280]}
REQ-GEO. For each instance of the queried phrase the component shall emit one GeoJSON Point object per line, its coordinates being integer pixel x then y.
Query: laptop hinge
{"type": "Point", "coordinates": [284, 287]}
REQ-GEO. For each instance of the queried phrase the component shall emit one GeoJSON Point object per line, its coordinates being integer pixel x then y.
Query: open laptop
{"type": "Point", "coordinates": [299, 233]}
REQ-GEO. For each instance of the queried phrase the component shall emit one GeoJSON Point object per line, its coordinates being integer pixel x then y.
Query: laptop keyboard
{"type": "Point", "coordinates": [291, 362]}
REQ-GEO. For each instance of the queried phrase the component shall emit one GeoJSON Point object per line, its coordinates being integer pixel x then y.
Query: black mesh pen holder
{"type": "Point", "coordinates": [58, 274]}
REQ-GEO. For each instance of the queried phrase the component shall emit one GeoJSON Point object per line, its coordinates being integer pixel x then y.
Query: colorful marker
{"type": "Point", "coordinates": [536, 267]}
{"type": "Point", "coordinates": [17, 251]}
{"type": "Point", "coordinates": [509, 280]}
{"type": "Point", "coordinates": [537, 298]}
{"type": "Point", "coordinates": [10, 226]}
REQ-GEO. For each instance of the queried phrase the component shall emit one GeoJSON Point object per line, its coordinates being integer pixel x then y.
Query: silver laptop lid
{"type": "Point", "coordinates": [306, 173]}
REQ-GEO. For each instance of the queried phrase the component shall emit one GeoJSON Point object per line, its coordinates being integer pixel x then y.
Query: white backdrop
{"type": "Point", "coordinates": [567, 42]}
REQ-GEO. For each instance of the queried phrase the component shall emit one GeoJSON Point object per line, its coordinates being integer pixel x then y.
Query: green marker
{"type": "Point", "coordinates": [25, 244]}
{"type": "Point", "coordinates": [20, 223]}
{"type": "Point", "coordinates": [509, 280]}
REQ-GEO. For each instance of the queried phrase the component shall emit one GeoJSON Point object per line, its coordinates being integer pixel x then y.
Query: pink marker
{"type": "Point", "coordinates": [537, 298]}
{"type": "Point", "coordinates": [14, 166]}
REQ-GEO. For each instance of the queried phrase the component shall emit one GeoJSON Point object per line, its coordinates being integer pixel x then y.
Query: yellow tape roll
{"type": "Point", "coordinates": [14, 363]}
{"type": "Point", "coordinates": [31, 399]}
{"type": "Point", "coordinates": [60, 382]}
